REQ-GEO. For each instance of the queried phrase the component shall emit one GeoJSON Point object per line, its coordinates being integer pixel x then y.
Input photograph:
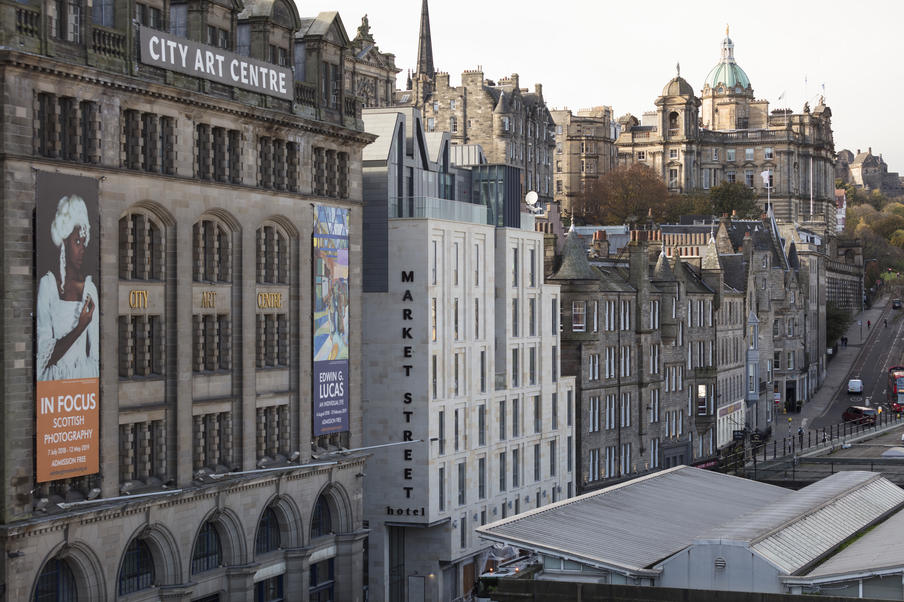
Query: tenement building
{"type": "Point", "coordinates": [585, 150]}
{"type": "Point", "coordinates": [181, 267]}
{"type": "Point", "coordinates": [687, 345]}
{"type": "Point", "coordinates": [462, 338]}
{"type": "Point", "coordinates": [511, 124]}
{"type": "Point", "coordinates": [728, 135]}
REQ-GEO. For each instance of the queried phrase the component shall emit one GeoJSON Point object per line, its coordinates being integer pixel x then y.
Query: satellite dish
{"type": "Point", "coordinates": [531, 198]}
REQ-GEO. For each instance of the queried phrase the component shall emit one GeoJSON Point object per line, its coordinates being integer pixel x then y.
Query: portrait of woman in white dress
{"type": "Point", "coordinates": [67, 306]}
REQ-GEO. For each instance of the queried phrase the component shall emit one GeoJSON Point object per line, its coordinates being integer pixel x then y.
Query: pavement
{"type": "Point", "coordinates": [837, 371]}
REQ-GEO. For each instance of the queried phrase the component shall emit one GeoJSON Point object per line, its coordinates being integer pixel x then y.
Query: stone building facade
{"type": "Point", "coordinates": [727, 135]}
{"type": "Point", "coordinates": [585, 149]}
{"type": "Point", "coordinates": [461, 332]}
{"type": "Point", "coordinates": [370, 73]}
{"type": "Point", "coordinates": [690, 341]}
{"type": "Point", "coordinates": [511, 124]}
{"type": "Point", "coordinates": [868, 171]}
{"type": "Point", "coordinates": [211, 482]}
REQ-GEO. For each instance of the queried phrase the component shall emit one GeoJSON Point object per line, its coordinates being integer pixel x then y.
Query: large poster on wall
{"type": "Point", "coordinates": [330, 270]}
{"type": "Point", "coordinates": [67, 316]}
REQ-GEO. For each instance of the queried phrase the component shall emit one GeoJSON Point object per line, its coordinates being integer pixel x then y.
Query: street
{"type": "Point", "coordinates": [883, 348]}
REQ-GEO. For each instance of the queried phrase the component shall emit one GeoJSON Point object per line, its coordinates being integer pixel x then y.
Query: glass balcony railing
{"type": "Point", "coordinates": [436, 208]}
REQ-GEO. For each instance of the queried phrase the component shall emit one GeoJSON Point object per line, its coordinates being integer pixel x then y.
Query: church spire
{"type": "Point", "coordinates": [425, 46]}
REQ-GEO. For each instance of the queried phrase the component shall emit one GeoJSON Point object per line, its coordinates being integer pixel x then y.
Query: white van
{"type": "Point", "coordinates": [855, 386]}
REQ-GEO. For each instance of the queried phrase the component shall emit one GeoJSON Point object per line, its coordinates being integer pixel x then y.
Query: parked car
{"type": "Point", "coordinates": [855, 386]}
{"type": "Point", "coordinates": [859, 415]}
{"type": "Point", "coordinates": [896, 304]}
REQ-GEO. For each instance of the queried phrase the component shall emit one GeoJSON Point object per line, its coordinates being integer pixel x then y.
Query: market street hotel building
{"type": "Point", "coordinates": [181, 277]}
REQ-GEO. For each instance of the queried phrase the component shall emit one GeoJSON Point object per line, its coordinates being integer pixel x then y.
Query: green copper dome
{"type": "Point", "coordinates": [727, 72]}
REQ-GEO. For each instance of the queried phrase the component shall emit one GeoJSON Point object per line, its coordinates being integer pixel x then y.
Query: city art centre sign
{"type": "Point", "coordinates": [166, 51]}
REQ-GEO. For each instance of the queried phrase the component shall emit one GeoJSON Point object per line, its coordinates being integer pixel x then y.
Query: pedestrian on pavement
{"type": "Point", "coordinates": [800, 436]}
{"type": "Point", "coordinates": [886, 322]}
{"type": "Point", "coordinates": [868, 323]}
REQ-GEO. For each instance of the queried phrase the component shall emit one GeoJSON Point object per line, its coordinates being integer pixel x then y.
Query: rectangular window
{"type": "Point", "coordinates": [455, 430]}
{"type": "Point", "coordinates": [462, 483]}
{"type": "Point", "coordinates": [179, 20]}
{"type": "Point", "coordinates": [748, 154]}
{"type": "Point", "coordinates": [481, 478]}
{"type": "Point", "coordinates": [537, 474]}
{"type": "Point", "coordinates": [476, 318]}
{"type": "Point", "coordinates": [516, 467]}
{"type": "Point", "coordinates": [433, 317]}
{"type": "Point", "coordinates": [476, 264]}
{"type": "Point", "coordinates": [538, 414]}
{"type": "Point", "coordinates": [768, 153]}
{"type": "Point", "coordinates": [578, 310]}
{"type": "Point", "coordinates": [554, 317]}
{"type": "Point", "coordinates": [568, 454]}
{"type": "Point", "coordinates": [552, 458]}
{"type": "Point", "coordinates": [502, 471]}
{"type": "Point", "coordinates": [555, 363]}
{"type": "Point", "coordinates": [554, 409]}
{"type": "Point", "coordinates": [455, 331]}
{"type": "Point", "coordinates": [569, 408]}
{"type": "Point", "coordinates": [532, 316]}
{"type": "Point", "coordinates": [434, 375]}
{"type": "Point", "coordinates": [481, 425]}
{"type": "Point", "coordinates": [433, 271]}
{"type": "Point", "coordinates": [730, 154]}
{"type": "Point", "coordinates": [442, 431]}
{"type": "Point", "coordinates": [515, 266]}
{"type": "Point", "coordinates": [516, 418]}
{"type": "Point", "coordinates": [502, 415]}
{"type": "Point", "coordinates": [516, 369]}
{"type": "Point", "coordinates": [483, 371]}
{"type": "Point", "coordinates": [533, 267]}
{"type": "Point", "coordinates": [455, 264]}
{"type": "Point", "coordinates": [441, 488]}
{"type": "Point", "coordinates": [514, 317]}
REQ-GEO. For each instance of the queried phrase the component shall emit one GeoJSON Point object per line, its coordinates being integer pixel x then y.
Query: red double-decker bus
{"type": "Point", "coordinates": [895, 391]}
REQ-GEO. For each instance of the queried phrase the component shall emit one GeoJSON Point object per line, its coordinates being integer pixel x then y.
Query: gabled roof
{"type": "Point", "coordinates": [799, 528]}
{"type": "Point", "coordinates": [322, 25]}
{"type": "Point", "coordinates": [631, 526]}
{"type": "Point", "coordinates": [384, 124]}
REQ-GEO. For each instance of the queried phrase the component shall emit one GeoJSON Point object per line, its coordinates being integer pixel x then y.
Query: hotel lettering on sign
{"type": "Point", "coordinates": [407, 398]}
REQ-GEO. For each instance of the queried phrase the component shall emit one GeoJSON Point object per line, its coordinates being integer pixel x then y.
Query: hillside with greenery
{"type": "Point", "coordinates": [879, 223]}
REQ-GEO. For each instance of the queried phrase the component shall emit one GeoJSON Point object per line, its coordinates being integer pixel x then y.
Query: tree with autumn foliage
{"type": "Point", "coordinates": [622, 195]}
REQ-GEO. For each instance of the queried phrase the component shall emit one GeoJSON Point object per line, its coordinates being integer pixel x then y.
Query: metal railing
{"type": "Point", "coordinates": [436, 208]}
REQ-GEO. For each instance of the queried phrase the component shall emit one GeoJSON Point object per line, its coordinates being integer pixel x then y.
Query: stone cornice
{"type": "Point", "coordinates": [133, 85]}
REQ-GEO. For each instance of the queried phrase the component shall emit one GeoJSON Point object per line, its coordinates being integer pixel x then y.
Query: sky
{"type": "Point", "coordinates": [589, 53]}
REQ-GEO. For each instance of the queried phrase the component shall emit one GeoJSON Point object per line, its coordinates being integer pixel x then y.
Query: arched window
{"type": "Point", "coordinates": [673, 120]}
{"type": "Point", "coordinates": [137, 570]}
{"type": "Point", "coordinates": [267, 533]}
{"type": "Point", "coordinates": [321, 521]}
{"type": "Point", "coordinates": [208, 554]}
{"type": "Point", "coordinates": [56, 583]}
{"type": "Point", "coordinates": [272, 255]}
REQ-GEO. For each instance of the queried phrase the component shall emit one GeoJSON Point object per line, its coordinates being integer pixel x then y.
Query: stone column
{"type": "Point", "coordinates": [349, 566]}
{"type": "Point", "coordinates": [296, 582]}
{"type": "Point", "coordinates": [240, 583]}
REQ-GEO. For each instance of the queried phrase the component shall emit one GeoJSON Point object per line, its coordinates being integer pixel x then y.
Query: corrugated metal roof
{"type": "Point", "coordinates": [802, 526]}
{"type": "Point", "coordinates": [635, 524]}
{"type": "Point", "coordinates": [882, 548]}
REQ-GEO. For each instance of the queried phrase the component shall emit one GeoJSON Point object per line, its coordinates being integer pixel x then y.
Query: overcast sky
{"type": "Point", "coordinates": [588, 53]}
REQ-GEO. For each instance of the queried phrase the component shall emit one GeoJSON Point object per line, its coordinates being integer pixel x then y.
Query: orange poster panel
{"type": "Point", "coordinates": [67, 428]}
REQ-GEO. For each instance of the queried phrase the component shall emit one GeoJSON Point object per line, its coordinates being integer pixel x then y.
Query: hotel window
{"type": "Point", "coordinates": [476, 264]}
{"type": "Point", "coordinates": [441, 487]}
{"type": "Point", "coordinates": [730, 154]}
{"type": "Point", "coordinates": [748, 178]}
{"type": "Point", "coordinates": [514, 317]}
{"type": "Point", "coordinates": [455, 260]}
{"type": "Point", "coordinates": [554, 408]}
{"type": "Point", "coordinates": [748, 154]}
{"type": "Point", "coordinates": [673, 153]}
{"type": "Point", "coordinates": [532, 365]}
{"type": "Point", "coordinates": [502, 473]}
{"type": "Point", "coordinates": [476, 318]}
{"type": "Point", "coordinates": [516, 418]}
{"type": "Point", "coordinates": [552, 458]}
{"type": "Point", "coordinates": [533, 267]}
{"type": "Point", "coordinates": [554, 357]}
{"type": "Point", "coordinates": [502, 415]}
{"type": "Point", "coordinates": [730, 177]}
{"type": "Point", "coordinates": [515, 367]}
{"type": "Point", "coordinates": [715, 154]}
{"type": "Point", "coordinates": [433, 317]}
{"type": "Point", "coordinates": [641, 155]}
{"type": "Point", "coordinates": [516, 469]}
{"type": "Point", "coordinates": [554, 316]}
{"type": "Point", "coordinates": [434, 375]}
{"type": "Point", "coordinates": [578, 310]}
{"type": "Point", "coordinates": [433, 270]}
{"type": "Point", "coordinates": [455, 318]}
{"type": "Point", "coordinates": [481, 478]}
{"type": "Point", "coordinates": [462, 483]}
{"type": "Point", "coordinates": [441, 427]}
{"type": "Point", "coordinates": [538, 414]}
{"type": "Point", "coordinates": [532, 316]}
{"type": "Point", "coordinates": [481, 425]}
{"type": "Point", "coordinates": [483, 371]}
{"type": "Point", "coordinates": [456, 389]}
{"type": "Point", "coordinates": [537, 472]}
{"type": "Point", "coordinates": [515, 266]}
